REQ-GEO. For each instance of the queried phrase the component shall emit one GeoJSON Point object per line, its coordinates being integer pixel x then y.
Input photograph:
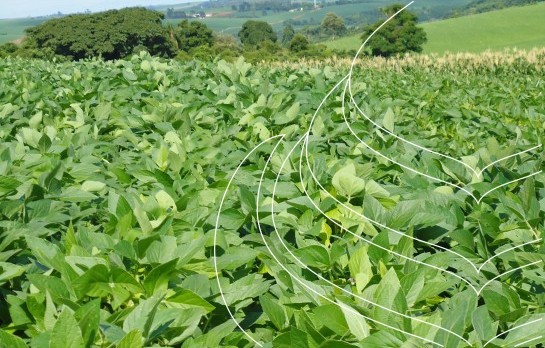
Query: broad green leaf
{"type": "Point", "coordinates": [274, 311]}
{"type": "Point", "coordinates": [346, 182]}
{"type": "Point", "coordinates": [133, 339]}
{"type": "Point", "coordinates": [313, 256]}
{"type": "Point", "coordinates": [294, 338]}
{"type": "Point", "coordinates": [289, 115]}
{"type": "Point", "coordinates": [389, 120]}
{"type": "Point", "coordinates": [483, 324]}
{"type": "Point", "coordinates": [92, 186]}
{"type": "Point", "coordinates": [188, 299]}
{"type": "Point", "coordinates": [356, 323]}
{"type": "Point", "coordinates": [66, 332]}
{"type": "Point", "coordinates": [8, 340]}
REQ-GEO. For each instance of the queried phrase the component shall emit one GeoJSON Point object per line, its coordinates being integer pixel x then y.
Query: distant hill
{"type": "Point", "coordinates": [480, 6]}
{"type": "Point", "coordinates": [521, 27]}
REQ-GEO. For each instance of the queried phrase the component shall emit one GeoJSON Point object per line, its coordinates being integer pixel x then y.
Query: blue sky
{"type": "Point", "coordinates": [31, 8]}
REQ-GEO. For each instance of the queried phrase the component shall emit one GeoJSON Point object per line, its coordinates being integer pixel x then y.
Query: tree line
{"type": "Point", "coordinates": [117, 34]}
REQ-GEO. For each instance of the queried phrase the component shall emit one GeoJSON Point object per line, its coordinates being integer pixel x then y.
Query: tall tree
{"type": "Point", "coordinates": [399, 35]}
{"type": "Point", "coordinates": [287, 34]}
{"type": "Point", "coordinates": [192, 34]}
{"type": "Point", "coordinates": [256, 32]}
{"type": "Point", "coordinates": [112, 34]}
{"type": "Point", "coordinates": [299, 43]}
{"type": "Point", "coordinates": [333, 25]}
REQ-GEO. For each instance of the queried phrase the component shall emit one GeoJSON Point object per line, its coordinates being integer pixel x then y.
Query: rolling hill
{"type": "Point", "coordinates": [514, 27]}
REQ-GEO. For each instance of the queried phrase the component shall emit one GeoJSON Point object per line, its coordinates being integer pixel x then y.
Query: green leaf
{"type": "Point", "coordinates": [188, 299]}
{"type": "Point", "coordinates": [88, 317]}
{"type": "Point", "coordinates": [9, 271]}
{"type": "Point", "coordinates": [141, 317]}
{"type": "Point", "coordinates": [44, 143]}
{"type": "Point", "coordinates": [274, 311]}
{"type": "Point", "coordinates": [360, 267]}
{"type": "Point", "coordinates": [483, 324]}
{"type": "Point", "coordinates": [131, 340]}
{"type": "Point", "coordinates": [333, 318]}
{"type": "Point", "coordinates": [314, 256]}
{"type": "Point", "coordinates": [157, 280]}
{"type": "Point", "coordinates": [356, 323]}
{"type": "Point", "coordinates": [66, 332]}
{"type": "Point", "coordinates": [346, 182]}
{"type": "Point", "coordinates": [289, 115]}
{"type": "Point", "coordinates": [389, 119]}
{"type": "Point", "coordinates": [92, 186]}
{"type": "Point", "coordinates": [531, 331]}
{"type": "Point", "coordinates": [8, 340]}
{"type": "Point", "coordinates": [389, 295]}
{"type": "Point", "coordinates": [294, 338]}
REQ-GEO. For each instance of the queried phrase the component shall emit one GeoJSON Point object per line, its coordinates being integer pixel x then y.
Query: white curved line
{"type": "Point", "coordinates": [527, 341]}
{"type": "Point", "coordinates": [216, 233]}
{"type": "Point", "coordinates": [326, 280]}
{"type": "Point", "coordinates": [509, 271]}
{"type": "Point", "coordinates": [511, 329]}
{"type": "Point", "coordinates": [507, 183]}
{"type": "Point", "coordinates": [378, 153]}
{"type": "Point", "coordinates": [506, 250]}
{"type": "Point", "coordinates": [513, 155]}
{"type": "Point", "coordinates": [478, 173]}
{"type": "Point", "coordinates": [300, 281]}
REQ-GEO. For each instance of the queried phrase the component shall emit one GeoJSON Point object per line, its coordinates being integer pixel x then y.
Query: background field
{"type": "Point", "coordinates": [13, 29]}
{"type": "Point", "coordinates": [521, 27]}
{"type": "Point", "coordinates": [353, 13]}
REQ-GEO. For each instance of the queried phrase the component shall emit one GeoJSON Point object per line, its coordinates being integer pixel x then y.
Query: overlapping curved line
{"type": "Point", "coordinates": [346, 307]}
{"type": "Point", "coordinates": [281, 136]}
{"type": "Point", "coordinates": [306, 141]}
{"type": "Point", "coordinates": [336, 286]}
{"type": "Point", "coordinates": [315, 179]}
{"type": "Point", "coordinates": [512, 329]}
{"type": "Point", "coordinates": [329, 282]}
{"type": "Point", "coordinates": [349, 82]}
{"type": "Point", "coordinates": [216, 232]}
{"type": "Point", "coordinates": [378, 153]}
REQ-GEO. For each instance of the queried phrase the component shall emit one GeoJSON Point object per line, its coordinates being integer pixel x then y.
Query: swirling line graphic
{"type": "Point", "coordinates": [275, 235]}
{"type": "Point", "coordinates": [478, 173]}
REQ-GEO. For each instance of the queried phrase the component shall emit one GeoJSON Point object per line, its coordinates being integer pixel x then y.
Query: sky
{"type": "Point", "coordinates": [34, 8]}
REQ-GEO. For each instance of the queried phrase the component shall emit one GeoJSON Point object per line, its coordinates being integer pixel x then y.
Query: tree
{"type": "Point", "coordinates": [226, 46]}
{"type": "Point", "coordinates": [399, 35]}
{"type": "Point", "coordinates": [287, 34]}
{"type": "Point", "coordinates": [255, 32]}
{"type": "Point", "coordinates": [112, 34]}
{"type": "Point", "coordinates": [333, 25]}
{"type": "Point", "coordinates": [192, 34]}
{"type": "Point", "coordinates": [299, 43]}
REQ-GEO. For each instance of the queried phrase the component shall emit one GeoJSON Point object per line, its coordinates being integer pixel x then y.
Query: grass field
{"type": "Point", "coordinates": [520, 27]}
{"type": "Point", "coordinates": [13, 29]}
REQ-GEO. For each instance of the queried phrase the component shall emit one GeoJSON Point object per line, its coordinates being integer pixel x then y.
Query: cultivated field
{"type": "Point", "coordinates": [137, 209]}
{"type": "Point", "coordinates": [517, 27]}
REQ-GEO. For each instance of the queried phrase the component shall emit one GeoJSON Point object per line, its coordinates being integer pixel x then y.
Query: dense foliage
{"type": "Point", "coordinates": [256, 32]}
{"type": "Point", "coordinates": [190, 35]}
{"type": "Point", "coordinates": [399, 35]}
{"type": "Point", "coordinates": [112, 34]}
{"type": "Point", "coordinates": [333, 25]}
{"type": "Point", "coordinates": [112, 175]}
